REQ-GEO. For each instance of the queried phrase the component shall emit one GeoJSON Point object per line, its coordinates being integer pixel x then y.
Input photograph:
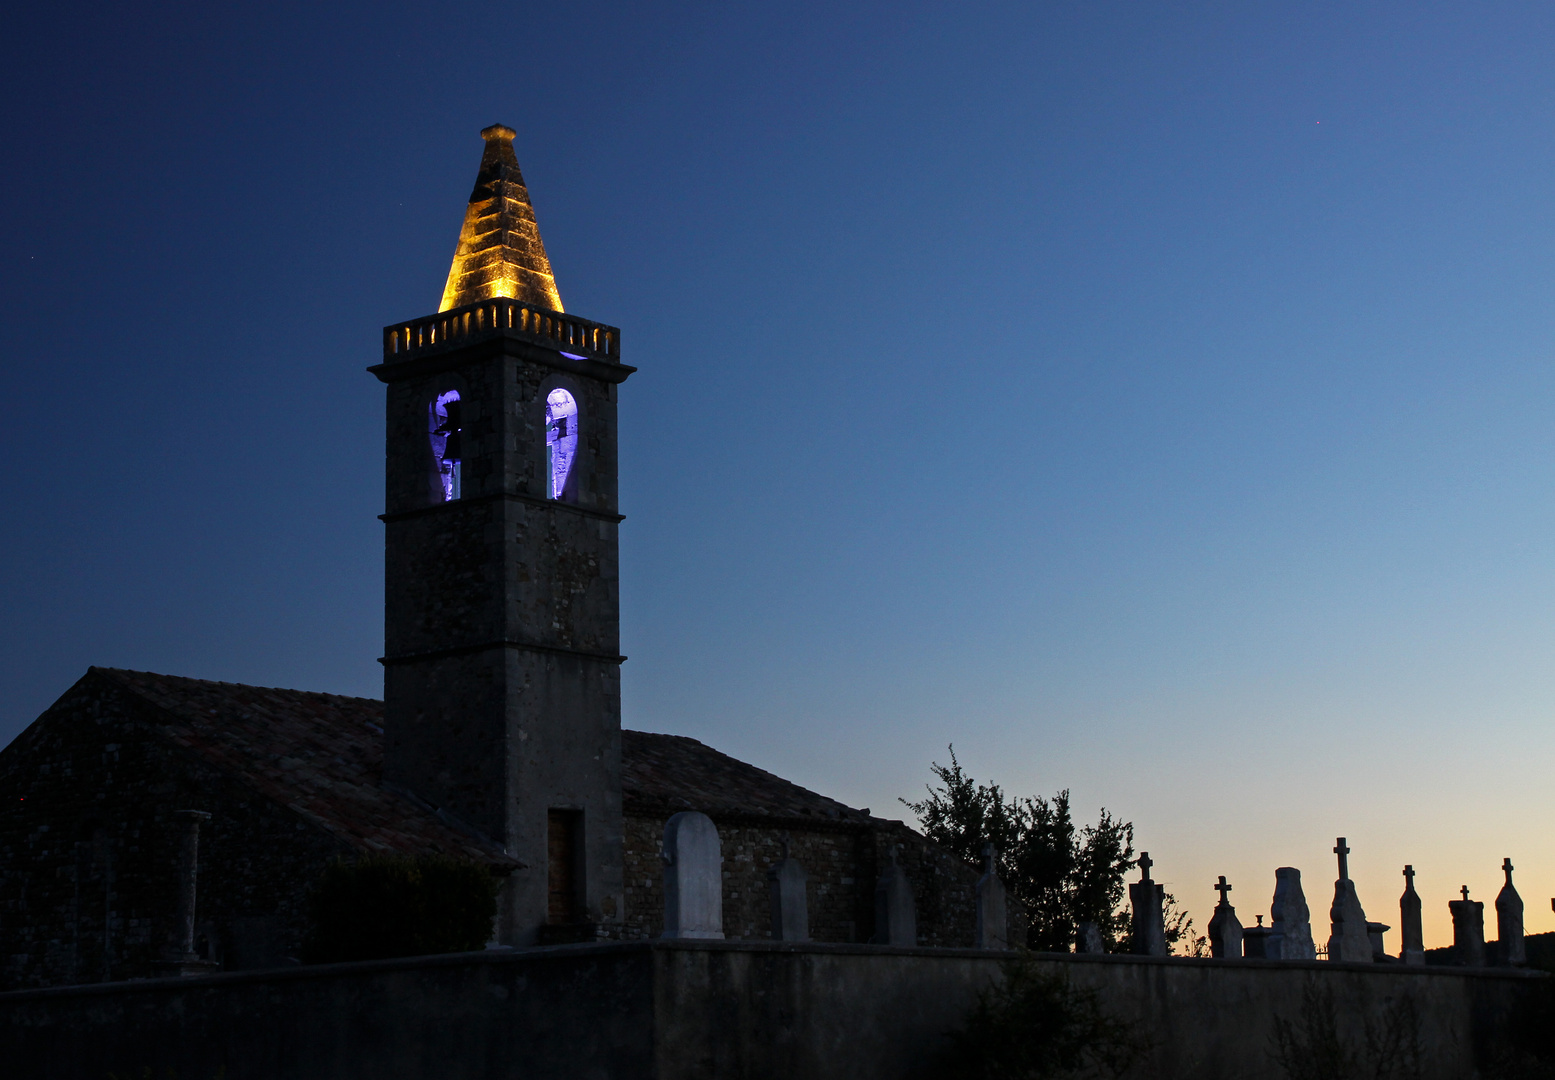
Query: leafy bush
{"type": "Point", "coordinates": [394, 905]}
{"type": "Point", "coordinates": [1035, 1025]}
{"type": "Point", "coordinates": [1063, 874]}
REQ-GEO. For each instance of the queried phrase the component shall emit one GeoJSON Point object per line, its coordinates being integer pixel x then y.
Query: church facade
{"type": "Point", "coordinates": [498, 739]}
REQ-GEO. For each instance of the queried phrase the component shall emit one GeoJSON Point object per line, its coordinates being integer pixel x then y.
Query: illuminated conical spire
{"type": "Point", "coordinates": [500, 252]}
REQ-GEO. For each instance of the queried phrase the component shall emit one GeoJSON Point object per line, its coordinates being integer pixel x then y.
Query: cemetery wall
{"type": "Point", "coordinates": [699, 1011]}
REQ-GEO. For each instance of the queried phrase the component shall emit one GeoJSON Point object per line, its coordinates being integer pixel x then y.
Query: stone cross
{"type": "Point", "coordinates": [1225, 930]}
{"type": "Point", "coordinates": [1510, 948]}
{"type": "Point", "coordinates": [1343, 851]}
{"type": "Point", "coordinates": [1147, 900]}
{"type": "Point", "coordinates": [1413, 951]}
{"type": "Point", "coordinates": [992, 913]}
{"type": "Point", "coordinates": [786, 883]}
{"type": "Point", "coordinates": [693, 877]}
{"type": "Point", "coordinates": [896, 917]}
{"type": "Point", "coordinates": [1290, 930]}
{"type": "Point", "coordinates": [1468, 930]}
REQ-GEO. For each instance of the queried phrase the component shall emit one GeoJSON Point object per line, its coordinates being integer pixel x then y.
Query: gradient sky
{"type": "Point", "coordinates": [1153, 400]}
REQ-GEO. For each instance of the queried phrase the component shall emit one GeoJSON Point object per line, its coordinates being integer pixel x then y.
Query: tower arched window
{"type": "Point", "coordinates": [561, 440]}
{"type": "Point", "coordinates": [444, 424]}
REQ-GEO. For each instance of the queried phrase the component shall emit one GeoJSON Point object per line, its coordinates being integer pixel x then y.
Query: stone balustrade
{"type": "Point", "coordinates": [502, 318]}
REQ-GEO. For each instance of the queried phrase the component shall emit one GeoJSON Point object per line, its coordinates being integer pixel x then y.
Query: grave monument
{"type": "Point", "coordinates": [1413, 947]}
{"type": "Point", "coordinates": [1348, 940]}
{"type": "Point", "coordinates": [1510, 950]}
{"type": "Point", "coordinates": [1147, 898]}
{"type": "Point", "coordinates": [1290, 921]}
{"type": "Point", "coordinates": [1225, 931]}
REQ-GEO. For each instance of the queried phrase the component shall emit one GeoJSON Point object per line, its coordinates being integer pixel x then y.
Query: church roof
{"type": "Point", "coordinates": [500, 253]}
{"type": "Point", "coordinates": [319, 754]}
{"type": "Point", "coordinates": [666, 773]}
{"type": "Point", "coordinates": [322, 756]}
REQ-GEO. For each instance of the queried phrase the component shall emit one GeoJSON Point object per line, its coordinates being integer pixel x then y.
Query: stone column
{"type": "Point", "coordinates": [179, 956]}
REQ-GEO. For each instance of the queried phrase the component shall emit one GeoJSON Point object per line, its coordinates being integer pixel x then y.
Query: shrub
{"type": "Point", "coordinates": [380, 906]}
{"type": "Point", "coordinates": [1035, 1025]}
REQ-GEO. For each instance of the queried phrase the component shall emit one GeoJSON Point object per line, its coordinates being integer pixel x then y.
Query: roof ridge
{"type": "Point", "coordinates": [222, 682]}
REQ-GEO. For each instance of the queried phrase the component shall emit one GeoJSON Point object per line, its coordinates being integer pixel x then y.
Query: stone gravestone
{"type": "Point", "coordinates": [992, 921]}
{"type": "Point", "coordinates": [896, 919]}
{"type": "Point", "coordinates": [1511, 952]}
{"type": "Point", "coordinates": [790, 909]}
{"type": "Point", "coordinates": [1348, 940]}
{"type": "Point", "coordinates": [1147, 899]}
{"type": "Point", "coordinates": [693, 877]}
{"type": "Point", "coordinates": [1413, 951]}
{"type": "Point", "coordinates": [1255, 941]}
{"type": "Point", "coordinates": [1290, 930]}
{"type": "Point", "coordinates": [1088, 939]}
{"type": "Point", "coordinates": [1468, 931]}
{"type": "Point", "coordinates": [1225, 930]}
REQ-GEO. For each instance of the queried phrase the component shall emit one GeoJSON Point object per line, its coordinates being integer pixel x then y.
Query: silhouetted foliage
{"type": "Point", "coordinates": [392, 905]}
{"type": "Point", "coordinates": [1063, 875]}
{"type": "Point", "coordinates": [1034, 1025]}
{"type": "Point", "coordinates": [1180, 937]}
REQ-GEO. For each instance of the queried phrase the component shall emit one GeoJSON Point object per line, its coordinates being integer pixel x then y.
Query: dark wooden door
{"type": "Point", "coordinates": [564, 857]}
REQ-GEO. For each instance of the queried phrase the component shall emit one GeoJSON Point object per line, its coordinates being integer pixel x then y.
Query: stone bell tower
{"type": "Point", "coordinates": [502, 690]}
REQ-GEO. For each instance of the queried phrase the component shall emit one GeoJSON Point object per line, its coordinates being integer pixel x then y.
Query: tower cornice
{"type": "Point", "coordinates": [564, 341]}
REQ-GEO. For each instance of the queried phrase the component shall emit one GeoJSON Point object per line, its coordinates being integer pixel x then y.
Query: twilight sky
{"type": "Point", "coordinates": [1153, 400]}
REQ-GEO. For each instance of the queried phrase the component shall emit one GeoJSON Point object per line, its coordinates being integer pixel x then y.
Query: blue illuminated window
{"type": "Point", "coordinates": [561, 440]}
{"type": "Point", "coordinates": [447, 441]}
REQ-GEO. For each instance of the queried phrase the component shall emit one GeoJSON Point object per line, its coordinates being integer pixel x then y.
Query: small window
{"type": "Point", "coordinates": [561, 440]}
{"type": "Point", "coordinates": [447, 442]}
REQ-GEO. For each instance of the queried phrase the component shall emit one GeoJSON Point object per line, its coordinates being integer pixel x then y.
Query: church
{"type": "Point", "coordinates": [498, 739]}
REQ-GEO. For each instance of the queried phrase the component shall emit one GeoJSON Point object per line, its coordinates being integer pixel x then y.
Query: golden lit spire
{"type": "Point", "coordinates": [500, 252]}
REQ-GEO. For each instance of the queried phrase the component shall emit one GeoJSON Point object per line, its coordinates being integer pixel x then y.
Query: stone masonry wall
{"type": "Point", "coordinates": [88, 850]}
{"type": "Point", "coordinates": [843, 864]}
